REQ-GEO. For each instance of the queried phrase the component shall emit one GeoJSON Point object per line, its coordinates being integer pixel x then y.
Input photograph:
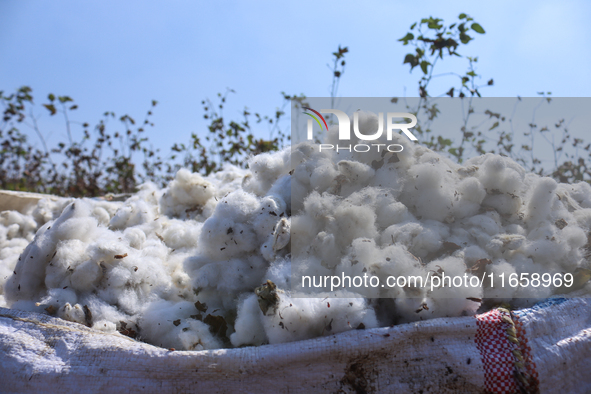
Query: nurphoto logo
{"type": "Point", "coordinates": [345, 129]}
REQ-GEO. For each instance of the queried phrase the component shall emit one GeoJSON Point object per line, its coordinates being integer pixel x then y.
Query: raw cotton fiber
{"type": "Point", "coordinates": [207, 261]}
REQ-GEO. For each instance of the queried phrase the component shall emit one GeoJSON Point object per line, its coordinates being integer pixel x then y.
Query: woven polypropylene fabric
{"type": "Point", "coordinates": [39, 353]}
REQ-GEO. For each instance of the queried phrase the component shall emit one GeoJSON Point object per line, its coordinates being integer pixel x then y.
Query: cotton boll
{"type": "Point", "coordinates": [105, 326]}
{"type": "Point", "coordinates": [355, 174]}
{"type": "Point", "coordinates": [491, 171]}
{"type": "Point", "coordinates": [118, 276]}
{"type": "Point", "coordinates": [102, 311]}
{"type": "Point", "coordinates": [230, 178]}
{"type": "Point", "coordinates": [57, 298]}
{"type": "Point", "coordinates": [483, 227]}
{"type": "Point", "coordinates": [574, 236]}
{"type": "Point", "coordinates": [266, 218]}
{"type": "Point", "coordinates": [583, 217]}
{"type": "Point", "coordinates": [157, 322]}
{"type": "Point", "coordinates": [421, 240]}
{"type": "Point", "coordinates": [72, 313]}
{"type": "Point", "coordinates": [19, 225]}
{"type": "Point", "coordinates": [282, 189]}
{"type": "Point", "coordinates": [187, 191]}
{"type": "Point", "coordinates": [86, 276]}
{"type": "Point", "coordinates": [540, 202]}
{"type": "Point", "coordinates": [464, 305]}
{"type": "Point", "coordinates": [69, 254]}
{"type": "Point", "coordinates": [134, 212]}
{"type": "Point", "coordinates": [319, 206]}
{"type": "Point", "coordinates": [196, 336]}
{"type": "Point", "coordinates": [129, 301]}
{"type": "Point", "coordinates": [397, 263]}
{"type": "Point", "coordinates": [505, 204]}
{"type": "Point", "coordinates": [135, 237]}
{"type": "Point", "coordinates": [470, 194]}
{"type": "Point", "coordinates": [302, 318]}
{"type": "Point", "coordinates": [81, 228]}
{"type": "Point", "coordinates": [248, 327]}
{"type": "Point", "coordinates": [323, 175]}
{"type": "Point", "coordinates": [181, 234]}
{"type": "Point", "coordinates": [121, 217]}
{"type": "Point", "coordinates": [401, 234]}
{"type": "Point", "coordinates": [237, 205]}
{"type": "Point", "coordinates": [224, 238]}
{"type": "Point", "coordinates": [581, 193]}
{"type": "Point", "coordinates": [454, 296]}
{"type": "Point", "coordinates": [512, 182]}
{"type": "Point", "coordinates": [353, 222]}
{"type": "Point", "coordinates": [231, 276]}
{"type": "Point", "coordinates": [451, 266]}
{"type": "Point", "coordinates": [111, 207]}
{"type": "Point", "coordinates": [474, 253]}
{"type": "Point", "coordinates": [388, 178]}
{"type": "Point", "coordinates": [101, 215]}
{"type": "Point", "coordinates": [12, 231]}
{"type": "Point", "coordinates": [107, 248]}
{"type": "Point", "coordinates": [393, 213]}
{"type": "Point", "coordinates": [280, 273]}
{"type": "Point", "coordinates": [430, 239]}
{"type": "Point", "coordinates": [266, 168]}
{"type": "Point", "coordinates": [325, 246]}
{"type": "Point", "coordinates": [428, 192]}
{"type": "Point", "coordinates": [49, 208]}
{"type": "Point", "coordinates": [547, 246]}
{"type": "Point", "coordinates": [504, 242]}
{"type": "Point", "coordinates": [304, 230]}
{"type": "Point", "coordinates": [299, 192]}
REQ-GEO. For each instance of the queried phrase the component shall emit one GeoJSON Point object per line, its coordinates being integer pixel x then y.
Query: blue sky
{"type": "Point", "coordinates": [113, 55]}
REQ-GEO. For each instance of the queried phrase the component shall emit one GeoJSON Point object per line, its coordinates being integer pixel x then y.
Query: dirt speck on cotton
{"type": "Point", "coordinates": [178, 267]}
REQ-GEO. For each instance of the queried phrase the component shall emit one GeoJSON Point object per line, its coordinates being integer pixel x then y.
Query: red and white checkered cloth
{"type": "Point", "coordinates": [496, 351]}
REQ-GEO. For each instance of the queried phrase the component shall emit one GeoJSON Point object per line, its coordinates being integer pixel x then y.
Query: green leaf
{"type": "Point", "coordinates": [413, 25]}
{"type": "Point", "coordinates": [471, 73]}
{"type": "Point", "coordinates": [407, 38]}
{"type": "Point", "coordinates": [424, 65]}
{"type": "Point", "coordinates": [464, 38]}
{"type": "Point", "coordinates": [64, 99]}
{"type": "Point", "coordinates": [433, 23]}
{"type": "Point", "coordinates": [51, 97]}
{"type": "Point", "coordinates": [412, 60]}
{"type": "Point", "coordinates": [462, 16]}
{"type": "Point", "coordinates": [494, 126]}
{"type": "Point", "coordinates": [477, 28]}
{"type": "Point", "coordinates": [50, 108]}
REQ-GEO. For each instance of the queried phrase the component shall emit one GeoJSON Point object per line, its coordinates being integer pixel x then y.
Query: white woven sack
{"type": "Point", "coordinates": [39, 353]}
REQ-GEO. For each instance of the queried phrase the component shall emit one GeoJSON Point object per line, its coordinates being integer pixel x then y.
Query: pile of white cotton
{"type": "Point", "coordinates": [207, 262]}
